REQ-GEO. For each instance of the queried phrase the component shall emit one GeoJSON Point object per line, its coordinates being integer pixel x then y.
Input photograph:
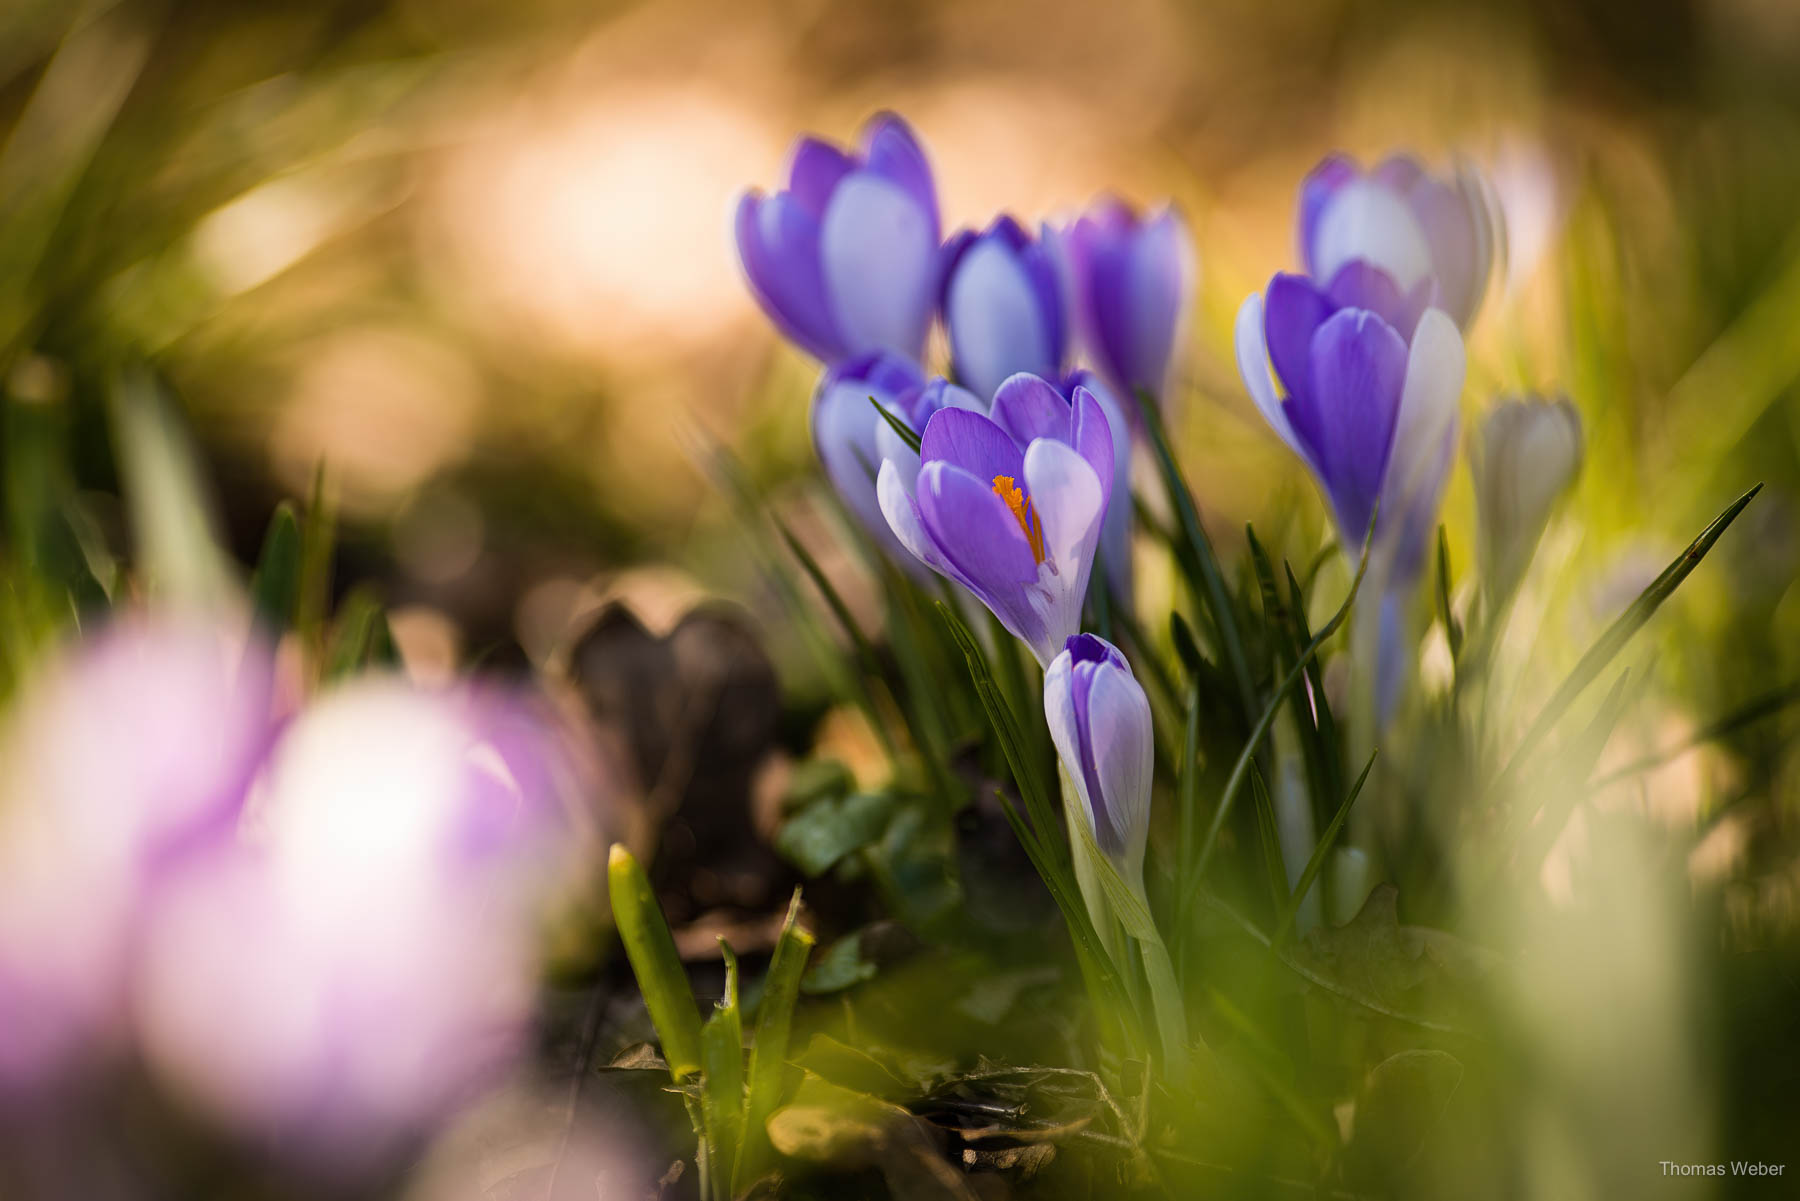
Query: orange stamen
{"type": "Point", "coordinates": [1020, 504]}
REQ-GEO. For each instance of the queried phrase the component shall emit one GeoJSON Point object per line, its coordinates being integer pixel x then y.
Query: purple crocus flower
{"type": "Point", "coordinates": [1409, 223]}
{"type": "Point", "coordinates": [1003, 306]}
{"type": "Point", "coordinates": [1372, 380]}
{"type": "Point", "coordinates": [1011, 506]}
{"type": "Point", "coordinates": [845, 258]}
{"type": "Point", "coordinates": [1129, 279]}
{"type": "Point", "coordinates": [853, 439]}
{"type": "Point", "coordinates": [1099, 719]}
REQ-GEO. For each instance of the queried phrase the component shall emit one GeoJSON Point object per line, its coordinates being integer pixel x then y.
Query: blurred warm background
{"type": "Point", "coordinates": [477, 257]}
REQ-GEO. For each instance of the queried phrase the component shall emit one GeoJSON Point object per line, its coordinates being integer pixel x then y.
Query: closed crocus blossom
{"type": "Point", "coordinates": [1129, 280]}
{"type": "Point", "coordinates": [1003, 306]}
{"type": "Point", "coordinates": [1099, 719]}
{"type": "Point", "coordinates": [360, 962]}
{"type": "Point", "coordinates": [1371, 380]}
{"type": "Point", "coordinates": [1413, 225]}
{"type": "Point", "coordinates": [1011, 507]}
{"type": "Point", "coordinates": [853, 440]}
{"type": "Point", "coordinates": [845, 258]}
{"type": "Point", "coordinates": [123, 760]}
{"type": "Point", "coordinates": [1523, 457]}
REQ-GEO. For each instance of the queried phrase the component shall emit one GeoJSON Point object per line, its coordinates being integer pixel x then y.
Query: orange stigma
{"type": "Point", "coordinates": [1020, 504]}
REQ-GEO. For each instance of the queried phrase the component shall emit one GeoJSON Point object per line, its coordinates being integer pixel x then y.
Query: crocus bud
{"type": "Point", "coordinates": [1523, 457]}
{"type": "Point", "coordinates": [1129, 280]}
{"type": "Point", "coordinates": [1010, 507]}
{"type": "Point", "coordinates": [1406, 222]}
{"type": "Point", "coordinates": [1003, 306]}
{"type": "Point", "coordinates": [1099, 719]}
{"type": "Point", "coordinates": [845, 258]}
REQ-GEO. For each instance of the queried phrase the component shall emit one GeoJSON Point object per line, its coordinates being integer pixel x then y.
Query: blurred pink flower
{"type": "Point", "coordinates": [126, 755]}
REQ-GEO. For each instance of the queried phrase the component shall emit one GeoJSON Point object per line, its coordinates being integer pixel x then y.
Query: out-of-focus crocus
{"type": "Point", "coordinates": [1418, 228]}
{"type": "Point", "coordinates": [845, 259]}
{"type": "Point", "coordinates": [120, 763]}
{"type": "Point", "coordinates": [1129, 280]}
{"type": "Point", "coordinates": [1011, 507]}
{"type": "Point", "coordinates": [853, 439]}
{"type": "Point", "coordinates": [360, 962]}
{"type": "Point", "coordinates": [1099, 719]}
{"type": "Point", "coordinates": [1372, 382]}
{"type": "Point", "coordinates": [1523, 457]}
{"type": "Point", "coordinates": [1003, 306]}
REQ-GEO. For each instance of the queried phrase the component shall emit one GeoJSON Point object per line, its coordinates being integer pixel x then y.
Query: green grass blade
{"type": "Point", "coordinates": [898, 425]}
{"type": "Point", "coordinates": [722, 1088]}
{"type": "Point", "coordinates": [1452, 628]}
{"type": "Point", "coordinates": [1766, 705]}
{"type": "Point", "coordinates": [275, 587]}
{"type": "Point", "coordinates": [1212, 583]}
{"type": "Point", "coordinates": [1269, 826]}
{"type": "Point", "coordinates": [1618, 634]}
{"type": "Point", "coordinates": [1236, 779]}
{"type": "Point", "coordinates": [651, 949]}
{"type": "Point", "coordinates": [768, 1052]}
{"type": "Point", "coordinates": [1313, 865]}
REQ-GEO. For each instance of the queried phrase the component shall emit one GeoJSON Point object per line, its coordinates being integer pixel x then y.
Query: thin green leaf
{"type": "Point", "coordinates": [355, 635]}
{"type": "Point", "coordinates": [1269, 827]}
{"type": "Point", "coordinates": [274, 589]}
{"type": "Point", "coordinates": [1218, 599]}
{"type": "Point", "coordinates": [722, 1090]}
{"type": "Point", "coordinates": [1320, 851]}
{"type": "Point", "coordinates": [898, 425]}
{"type": "Point", "coordinates": [318, 533]}
{"type": "Point", "coordinates": [768, 1053]}
{"type": "Point", "coordinates": [1618, 634]}
{"type": "Point", "coordinates": [651, 949]}
{"type": "Point", "coordinates": [1236, 779]}
{"type": "Point", "coordinates": [1452, 628]}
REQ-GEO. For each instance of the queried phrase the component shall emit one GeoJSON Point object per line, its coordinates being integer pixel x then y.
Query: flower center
{"type": "Point", "coordinates": [1022, 512]}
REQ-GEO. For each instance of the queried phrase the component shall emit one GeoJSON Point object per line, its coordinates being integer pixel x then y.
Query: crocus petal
{"type": "Point", "coordinates": [894, 152]}
{"type": "Point", "coordinates": [1069, 500]}
{"type": "Point", "coordinates": [1253, 365]}
{"type": "Point", "coordinates": [816, 170]}
{"type": "Point", "coordinates": [1294, 310]}
{"type": "Point", "coordinates": [1359, 368]}
{"type": "Point", "coordinates": [1366, 220]}
{"type": "Point", "coordinates": [995, 318]}
{"type": "Point", "coordinates": [1094, 436]}
{"type": "Point", "coordinates": [878, 257]}
{"type": "Point", "coordinates": [973, 529]}
{"type": "Point", "coordinates": [1428, 403]}
{"type": "Point", "coordinates": [902, 513]}
{"type": "Point", "coordinates": [778, 242]}
{"type": "Point", "coordinates": [1321, 184]}
{"type": "Point", "coordinates": [1027, 406]}
{"type": "Point", "coordinates": [1423, 440]}
{"type": "Point", "coordinates": [971, 442]}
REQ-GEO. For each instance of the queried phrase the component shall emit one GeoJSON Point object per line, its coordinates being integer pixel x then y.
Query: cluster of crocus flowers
{"type": "Point", "coordinates": [318, 928]}
{"type": "Point", "coordinates": [1358, 364]}
{"type": "Point", "coordinates": [847, 263]}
